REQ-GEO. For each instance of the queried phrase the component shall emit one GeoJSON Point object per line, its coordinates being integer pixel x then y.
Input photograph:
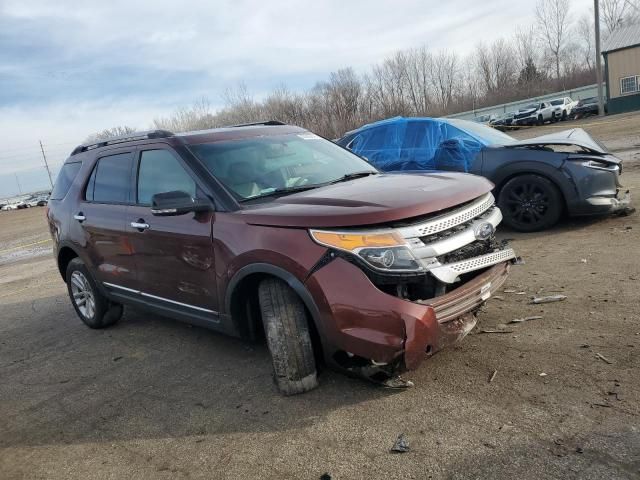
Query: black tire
{"type": "Point", "coordinates": [540, 120]}
{"type": "Point", "coordinates": [103, 312]}
{"type": "Point", "coordinates": [564, 115]}
{"type": "Point", "coordinates": [288, 337]}
{"type": "Point", "coordinates": [530, 203]}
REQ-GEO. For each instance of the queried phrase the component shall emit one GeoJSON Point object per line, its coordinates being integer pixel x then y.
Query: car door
{"type": "Point", "coordinates": [100, 217]}
{"type": "Point", "coordinates": [174, 254]}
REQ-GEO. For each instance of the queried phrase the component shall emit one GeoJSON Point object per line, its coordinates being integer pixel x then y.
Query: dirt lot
{"type": "Point", "coordinates": [153, 398]}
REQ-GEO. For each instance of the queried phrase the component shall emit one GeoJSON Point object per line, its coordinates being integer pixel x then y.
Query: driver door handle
{"type": "Point", "coordinates": [79, 217]}
{"type": "Point", "coordinates": [140, 225]}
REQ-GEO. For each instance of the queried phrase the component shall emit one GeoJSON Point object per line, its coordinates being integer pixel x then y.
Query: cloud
{"type": "Point", "coordinates": [72, 67]}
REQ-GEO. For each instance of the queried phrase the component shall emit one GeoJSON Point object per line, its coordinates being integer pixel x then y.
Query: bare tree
{"type": "Point", "coordinates": [110, 133]}
{"type": "Point", "coordinates": [198, 116]}
{"type": "Point", "coordinates": [616, 13]}
{"type": "Point", "coordinates": [443, 78]}
{"type": "Point", "coordinates": [585, 31]}
{"type": "Point", "coordinates": [419, 67]}
{"type": "Point", "coordinates": [552, 21]}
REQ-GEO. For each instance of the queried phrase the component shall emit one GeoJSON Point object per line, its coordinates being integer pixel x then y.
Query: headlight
{"type": "Point", "coordinates": [383, 251]}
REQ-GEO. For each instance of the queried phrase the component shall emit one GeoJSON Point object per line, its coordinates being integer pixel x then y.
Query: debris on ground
{"type": "Point", "coordinates": [401, 444]}
{"type": "Point", "coordinates": [493, 375]}
{"type": "Point", "coordinates": [397, 382]}
{"type": "Point", "coordinates": [325, 476]}
{"type": "Point", "coordinates": [509, 290]}
{"type": "Point", "coordinates": [543, 374]}
{"type": "Point", "coordinates": [603, 358]}
{"type": "Point", "coordinates": [492, 330]}
{"type": "Point", "coordinates": [526, 319]}
{"type": "Point", "coordinates": [548, 299]}
{"type": "Point", "coordinates": [583, 260]}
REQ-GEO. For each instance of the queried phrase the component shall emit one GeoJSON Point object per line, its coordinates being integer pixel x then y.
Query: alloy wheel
{"type": "Point", "coordinates": [528, 203]}
{"type": "Point", "coordinates": [83, 296]}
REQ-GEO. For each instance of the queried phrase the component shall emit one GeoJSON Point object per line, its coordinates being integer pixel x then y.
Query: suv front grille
{"type": "Point", "coordinates": [447, 245]}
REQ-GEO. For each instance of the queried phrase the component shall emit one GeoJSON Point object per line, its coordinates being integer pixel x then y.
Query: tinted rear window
{"type": "Point", "coordinates": [111, 179]}
{"type": "Point", "coordinates": [65, 178]}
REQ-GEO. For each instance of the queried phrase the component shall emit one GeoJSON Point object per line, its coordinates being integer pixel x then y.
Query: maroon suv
{"type": "Point", "coordinates": [270, 229]}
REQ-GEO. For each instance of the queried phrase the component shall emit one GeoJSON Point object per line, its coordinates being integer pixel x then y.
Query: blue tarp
{"type": "Point", "coordinates": [416, 144]}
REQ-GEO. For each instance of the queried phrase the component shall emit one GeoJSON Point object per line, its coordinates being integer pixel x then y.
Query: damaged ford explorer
{"type": "Point", "coordinates": [269, 230]}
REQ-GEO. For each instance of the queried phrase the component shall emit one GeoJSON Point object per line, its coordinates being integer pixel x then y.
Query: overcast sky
{"type": "Point", "coordinates": [71, 68]}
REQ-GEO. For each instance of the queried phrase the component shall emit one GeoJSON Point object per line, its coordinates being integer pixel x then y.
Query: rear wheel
{"type": "Point", "coordinates": [93, 308]}
{"type": "Point", "coordinates": [288, 337]}
{"type": "Point", "coordinates": [530, 203]}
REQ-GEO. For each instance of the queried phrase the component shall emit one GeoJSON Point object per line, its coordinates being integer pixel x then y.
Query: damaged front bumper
{"type": "Point", "coordinates": [366, 330]}
{"type": "Point", "coordinates": [620, 204]}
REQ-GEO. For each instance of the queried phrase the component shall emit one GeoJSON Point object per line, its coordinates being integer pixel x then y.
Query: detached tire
{"type": "Point", "coordinates": [93, 308]}
{"type": "Point", "coordinates": [530, 203]}
{"type": "Point", "coordinates": [288, 337]}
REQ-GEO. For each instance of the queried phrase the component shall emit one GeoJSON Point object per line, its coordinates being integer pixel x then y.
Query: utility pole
{"type": "Point", "coordinates": [18, 182]}
{"type": "Point", "coordinates": [46, 165]}
{"type": "Point", "coordinates": [596, 9]}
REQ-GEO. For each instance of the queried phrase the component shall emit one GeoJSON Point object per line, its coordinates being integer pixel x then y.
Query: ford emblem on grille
{"type": "Point", "coordinates": [484, 231]}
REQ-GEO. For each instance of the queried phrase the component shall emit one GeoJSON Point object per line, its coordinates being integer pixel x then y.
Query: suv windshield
{"type": "Point", "coordinates": [557, 102]}
{"type": "Point", "coordinates": [264, 166]}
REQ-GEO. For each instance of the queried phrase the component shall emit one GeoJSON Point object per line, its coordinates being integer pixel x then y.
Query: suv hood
{"type": "Point", "coordinates": [370, 200]}
{"type": "Point", "coordinates": [575, 136]}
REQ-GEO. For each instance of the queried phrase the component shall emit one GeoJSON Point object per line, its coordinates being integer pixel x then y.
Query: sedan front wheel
{"type": "Point", "coordinates": [530, 203]}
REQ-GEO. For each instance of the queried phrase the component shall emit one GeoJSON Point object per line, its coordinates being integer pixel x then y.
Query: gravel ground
{"type": "Point", "coordinates": [154, 398]}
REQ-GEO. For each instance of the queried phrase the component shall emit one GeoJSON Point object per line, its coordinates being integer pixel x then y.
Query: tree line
{"type": "Point", "coordinates": [555, 52]}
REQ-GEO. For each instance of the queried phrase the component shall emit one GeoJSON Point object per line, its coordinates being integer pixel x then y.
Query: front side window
{"type": "Point", "coordinates": [161, 172]}
{"type": "Point", "coordinates": [111, 179]}
{"type": "Point", "coordinates": [65, 178]}
{"type": "Point", "coordinates": [261, 166]}
{"type": "Point", "coordinates": [628, 85]}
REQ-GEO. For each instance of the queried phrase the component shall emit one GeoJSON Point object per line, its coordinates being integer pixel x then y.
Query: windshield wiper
{"type": "Point", "coordinates": [351, 176]}
{"type": "Point", "coordinates": [281, 191]}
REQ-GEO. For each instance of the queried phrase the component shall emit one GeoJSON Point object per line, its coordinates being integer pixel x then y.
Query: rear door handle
{"type": "Point", "coordinates": [140, 225]}
{"type": "Point", "coordinates": [80, 217]}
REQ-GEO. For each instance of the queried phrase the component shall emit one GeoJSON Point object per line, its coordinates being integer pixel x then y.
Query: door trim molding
{"type": "Point", "coordinates": [155, 297]}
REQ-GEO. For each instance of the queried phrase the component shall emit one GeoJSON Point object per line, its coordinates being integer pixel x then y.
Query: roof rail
{"type": "Point", "coordinates": [266, 123]}
{"type": "Point", "coordinates": [129, 137]}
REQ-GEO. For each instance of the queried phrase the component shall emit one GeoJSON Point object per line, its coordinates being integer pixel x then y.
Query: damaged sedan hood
{"type": "Point", "coordinates": [575, 136]}
{"type": "Point", "coordinates": [370, 200]}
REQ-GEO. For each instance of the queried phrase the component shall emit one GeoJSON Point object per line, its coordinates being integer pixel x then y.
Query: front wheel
{"type": "Point", "coordinates": [540, 120]}
{"type": "Point", "coordinates": [93, 308]}
{"type": "Point", "coordinates": [530, 203]}
{"type": "Point", "coordinates": [288, 337]}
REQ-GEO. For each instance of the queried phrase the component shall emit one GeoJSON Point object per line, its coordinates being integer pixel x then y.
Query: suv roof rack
{"type": "Point", "coordinates": [267, 123]}
{"type": "Point", "coordinates": [129, 137]}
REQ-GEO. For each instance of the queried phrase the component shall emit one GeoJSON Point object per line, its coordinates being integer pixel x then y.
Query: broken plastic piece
{"type": "Point", "coordinates": [549, 299]}
{"type": "Point", "coordinates": [401, 444]}
{"type": "Point", "coordinates": [525, 319]}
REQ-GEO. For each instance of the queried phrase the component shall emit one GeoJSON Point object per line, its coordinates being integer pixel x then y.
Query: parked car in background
{"type": "Point", "coordinates": [270, 228]}
{"type": "Point", "coordinates": [536, 180]}
{"type": "Point", "coordinates": [42, 201]}
{"type": "Point", "coordinates": [534, 114]}
{"type": "Point", "coordinates": [504, 122]}
{"type": "Point", "coordinates": [585, 107]}
{"type": "Point", "coordinates": [562, 107]}
{"type": "Point", "coordinates": [486, 119]}
{"type": "Point", "coordinates": [10, 206]}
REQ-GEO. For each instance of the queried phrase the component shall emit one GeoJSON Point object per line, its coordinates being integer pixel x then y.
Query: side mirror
{"type": "Point", "coordinates": [176, 203]}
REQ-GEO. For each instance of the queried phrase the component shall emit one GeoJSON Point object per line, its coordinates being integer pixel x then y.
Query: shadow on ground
{"type": "Point", "coordinates": [146, 377]}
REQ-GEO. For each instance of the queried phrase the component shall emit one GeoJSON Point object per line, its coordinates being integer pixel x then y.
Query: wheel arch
{"type": "Point", "coordinates": [241, 298]}
{"type": "Point", "coordinates": [549, 173]}
{"type": "Point", "coordinates": [65, 254]}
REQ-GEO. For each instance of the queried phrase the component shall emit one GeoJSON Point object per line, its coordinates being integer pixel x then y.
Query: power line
{"type": "Point", "coordinates": [46, 165]}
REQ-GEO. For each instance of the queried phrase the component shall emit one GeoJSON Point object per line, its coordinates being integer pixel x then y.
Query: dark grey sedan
{"type": "Point", "coordinates": [536, 180]}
